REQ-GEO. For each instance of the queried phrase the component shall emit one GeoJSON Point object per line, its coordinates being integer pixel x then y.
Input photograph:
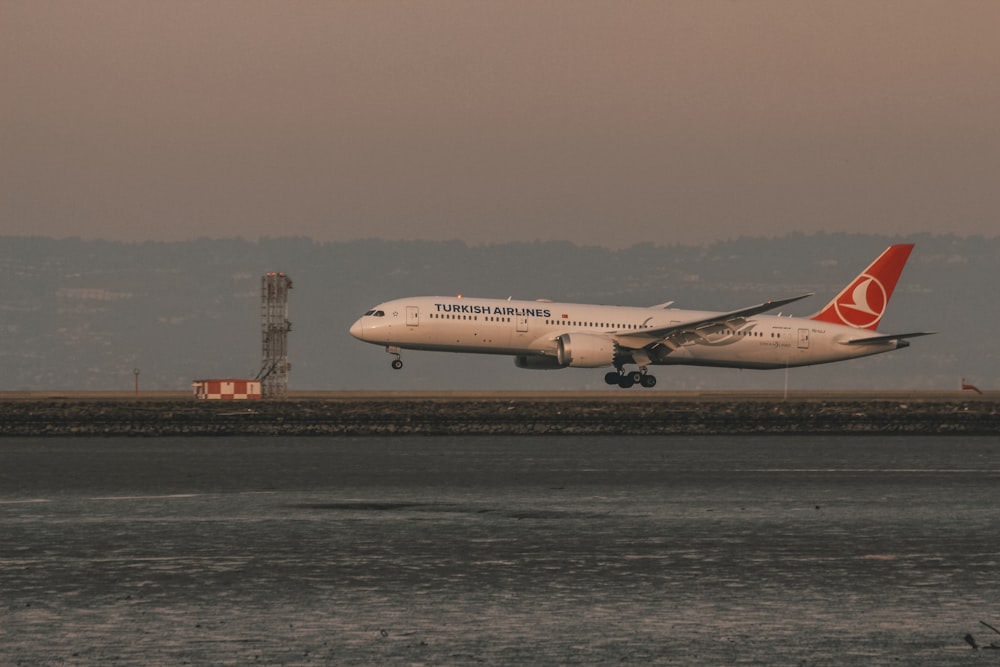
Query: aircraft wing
{"type": "Point", "coordinates": [677, 334]}
{"type": "Point", "coordinates": [717, 319]}
{"type": "Point", "coordinates": [886, 338]}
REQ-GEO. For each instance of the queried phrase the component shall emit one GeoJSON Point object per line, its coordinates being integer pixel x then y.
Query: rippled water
{"type": "Point", "coordinates": [544, 551]}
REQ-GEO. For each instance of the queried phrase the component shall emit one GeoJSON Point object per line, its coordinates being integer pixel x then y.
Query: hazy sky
{"type": "Point", "coordinates": [608, 123]}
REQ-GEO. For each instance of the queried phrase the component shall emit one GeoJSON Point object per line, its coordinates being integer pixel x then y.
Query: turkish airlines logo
{"type": "Point", "coordinates": [863, 303]}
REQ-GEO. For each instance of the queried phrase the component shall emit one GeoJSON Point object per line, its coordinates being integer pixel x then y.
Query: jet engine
{"type": "Point", "coordinates": [537, 362]}
{"type": "Point", "coordinates": [585, 350]}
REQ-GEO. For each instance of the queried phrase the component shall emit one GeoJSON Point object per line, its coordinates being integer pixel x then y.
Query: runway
{"type": "Point", "coordinates": [498, 550]}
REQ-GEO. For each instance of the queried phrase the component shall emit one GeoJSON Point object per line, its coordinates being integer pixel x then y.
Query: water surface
{"type": "Point", "coordinates": [498, 550]}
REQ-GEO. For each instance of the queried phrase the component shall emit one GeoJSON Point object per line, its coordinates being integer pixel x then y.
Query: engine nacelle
{"type": "Point", "coordinates": [537, 362]}
{"type": "Point", "coordinates": [585, 350]}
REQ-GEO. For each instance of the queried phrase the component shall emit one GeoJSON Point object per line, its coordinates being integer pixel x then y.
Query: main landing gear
{"type": "Point", "coordinates": [627, 380]}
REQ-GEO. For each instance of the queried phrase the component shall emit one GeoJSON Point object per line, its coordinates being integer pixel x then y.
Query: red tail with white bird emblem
{"type": "Point", "coordinates": [862, 303]}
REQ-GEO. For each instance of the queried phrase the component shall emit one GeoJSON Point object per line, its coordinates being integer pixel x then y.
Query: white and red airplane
{"type": "Point", "coordinates": [546, 335]}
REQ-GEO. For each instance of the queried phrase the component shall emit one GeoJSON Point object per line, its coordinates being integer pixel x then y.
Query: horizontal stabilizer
{"type": "Point", "coordinates": [886, 338]}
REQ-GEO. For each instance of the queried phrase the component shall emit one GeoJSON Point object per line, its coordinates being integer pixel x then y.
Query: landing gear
{"type": "Point", "coordinates": [397, 363]}
{"type": "Point", "coordinates": [628, 380]}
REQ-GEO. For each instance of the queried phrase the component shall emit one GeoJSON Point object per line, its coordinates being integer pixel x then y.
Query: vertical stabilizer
{"type": "Point", "coordinates": [862, 303]}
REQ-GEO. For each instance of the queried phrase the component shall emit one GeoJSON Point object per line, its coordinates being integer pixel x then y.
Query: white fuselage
{"type": "Point", "coordinates": [532, 329]}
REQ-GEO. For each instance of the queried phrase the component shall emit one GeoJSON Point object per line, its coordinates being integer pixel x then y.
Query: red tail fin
{"type": "Point", "coordinates": [862, 303]}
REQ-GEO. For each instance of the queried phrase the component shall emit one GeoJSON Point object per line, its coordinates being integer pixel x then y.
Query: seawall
{"type": "Point", "coordinates": [48, 414]}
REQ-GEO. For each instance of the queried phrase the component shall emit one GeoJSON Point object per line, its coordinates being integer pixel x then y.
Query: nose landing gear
{"type": "Point", "coordinates": [397, 363]}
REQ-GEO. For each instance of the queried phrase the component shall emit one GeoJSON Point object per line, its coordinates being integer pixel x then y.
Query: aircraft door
{"type": "Point", "coordinates": [412, 316]}
{"type": "Point", "coordinates": [522, 324]}
{"type": "Point", "coordinates": [803, 339]}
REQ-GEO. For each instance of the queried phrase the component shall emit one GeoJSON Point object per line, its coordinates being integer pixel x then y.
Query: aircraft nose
{"type": "Point", "coordinates": [357, 330]}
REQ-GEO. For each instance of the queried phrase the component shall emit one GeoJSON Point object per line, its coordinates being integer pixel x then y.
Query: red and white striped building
{"type": "Point", "coordinates": [226, 389]}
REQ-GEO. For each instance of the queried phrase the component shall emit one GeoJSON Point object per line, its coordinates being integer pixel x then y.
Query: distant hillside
{"type": "Point", "coordinates": [84, 314]}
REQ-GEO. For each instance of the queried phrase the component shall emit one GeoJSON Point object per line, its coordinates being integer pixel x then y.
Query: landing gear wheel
{"type": "Point", "coordinates": [636, 377]}
{"type": "Point", "coordinates": [626, 381]}
{"type": "Point", "coordinates": [648, 381]}
{"type": "Point", "coordinates": [612, 377]}
{"type": "Point", "coordinates": [397, 364]}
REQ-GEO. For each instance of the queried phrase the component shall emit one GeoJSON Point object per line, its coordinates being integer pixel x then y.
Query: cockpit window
{"type": "Point", "coordinates": [370, 312]}
{"type": "Point", "coordinates": [375, 313]}
{"type": "Point", "coordinates": [379, 313]}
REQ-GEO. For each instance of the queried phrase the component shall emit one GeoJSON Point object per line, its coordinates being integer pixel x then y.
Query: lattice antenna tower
{"type": "Point", "coordinates": [275, 327]}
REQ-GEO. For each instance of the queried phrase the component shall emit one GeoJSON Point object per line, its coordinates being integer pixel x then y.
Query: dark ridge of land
{"type": "Point", "coordinates": [38, 414]}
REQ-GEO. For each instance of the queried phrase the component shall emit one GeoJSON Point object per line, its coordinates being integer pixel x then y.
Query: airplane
{"type": "Point", "coordinates": [545, 335]}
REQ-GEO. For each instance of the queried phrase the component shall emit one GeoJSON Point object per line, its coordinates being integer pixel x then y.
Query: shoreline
{"type": "Point", "coordinates": [435, 413]}
{"type": "Point", "coordinates": [612, 394]}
